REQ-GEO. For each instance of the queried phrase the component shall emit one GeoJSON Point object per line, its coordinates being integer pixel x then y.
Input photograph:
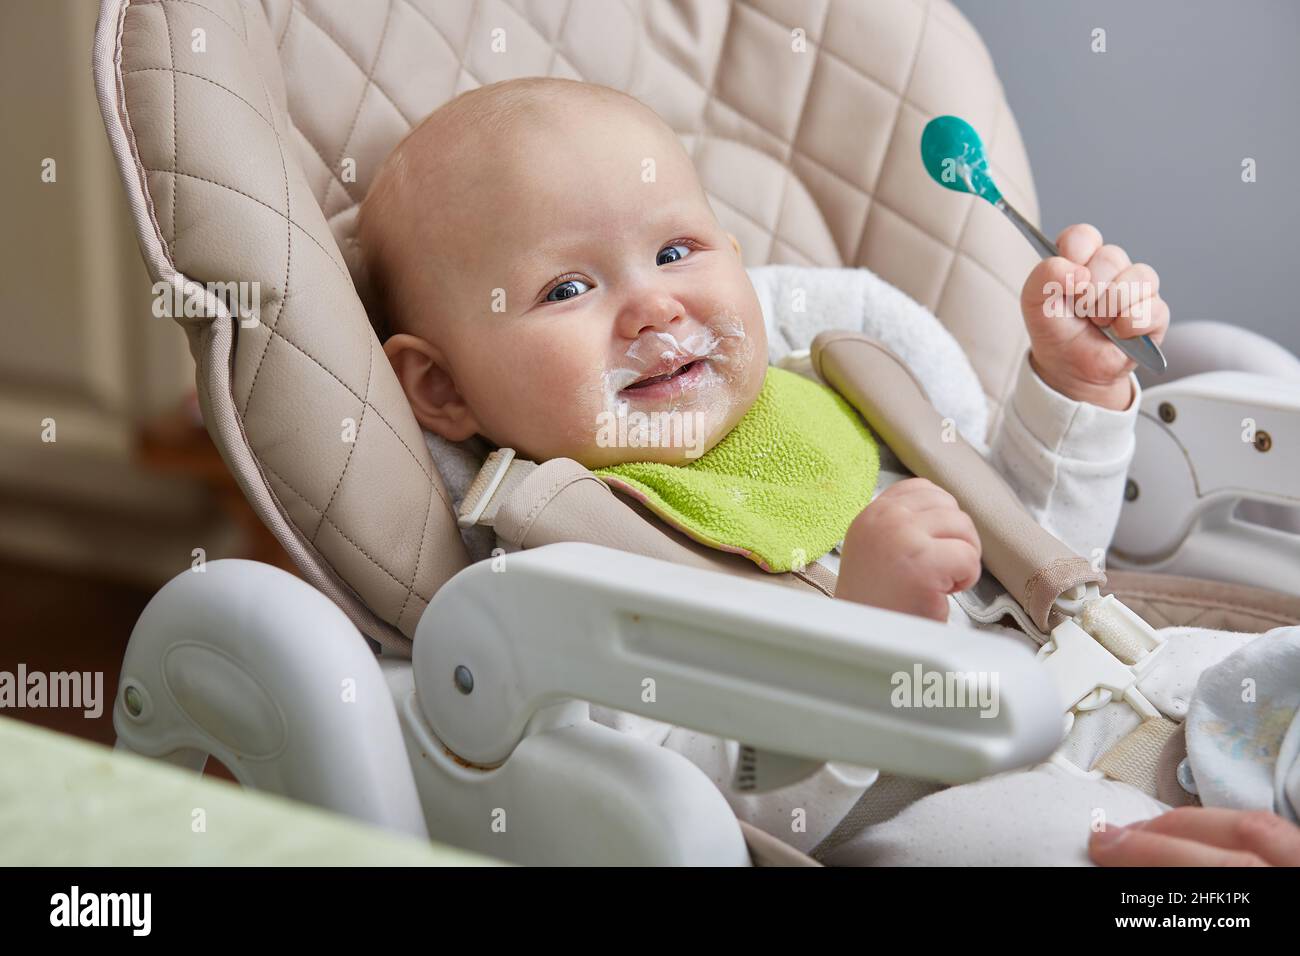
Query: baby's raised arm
{"type": "Point", "coordinates": [1068, 434]}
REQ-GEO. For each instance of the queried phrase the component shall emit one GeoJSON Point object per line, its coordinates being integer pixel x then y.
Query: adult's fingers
{"type": "Point", "coordinates": [1257, 831]}
{"type": "Point", "coordinates": [1131, 846]}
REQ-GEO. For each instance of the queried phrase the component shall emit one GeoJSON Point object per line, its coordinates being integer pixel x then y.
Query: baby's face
{"type": "Point", "coordinates": [589, 306]}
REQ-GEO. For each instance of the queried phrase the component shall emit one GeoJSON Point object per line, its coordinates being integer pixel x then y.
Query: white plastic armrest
{"type": "Point", "coordinates": [1205, 444]}
{"type": "Point", "coordinates": [778, 669]}
{"type": "Point", "coordinates": [252, 665]}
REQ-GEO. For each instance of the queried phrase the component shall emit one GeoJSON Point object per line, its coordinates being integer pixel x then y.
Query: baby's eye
{"type": "Point", "coordinates": [671, 254]}
{"type": "Point", "coordinates": [567, 290]}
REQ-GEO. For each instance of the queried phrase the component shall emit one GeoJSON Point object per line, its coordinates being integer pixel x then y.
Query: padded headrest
{"type": "Point", "coordinates": [247, 133]}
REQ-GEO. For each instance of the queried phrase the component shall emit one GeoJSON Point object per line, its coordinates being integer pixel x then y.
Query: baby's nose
{"type": "Point", "coordinates": [652, 312]}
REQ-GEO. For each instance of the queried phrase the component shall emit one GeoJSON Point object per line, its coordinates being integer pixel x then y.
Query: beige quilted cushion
{"type": "Point", "coordinates": [236, 159]}
{"type": "Point", "coordinates": [1168, 600]}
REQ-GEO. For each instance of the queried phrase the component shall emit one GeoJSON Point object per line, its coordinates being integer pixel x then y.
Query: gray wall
{"type": "Point", "coordinates": [1146, 140]}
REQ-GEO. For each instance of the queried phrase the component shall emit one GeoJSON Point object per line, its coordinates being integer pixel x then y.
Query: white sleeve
{"type": "Point", "coordinates": [1067, 460]}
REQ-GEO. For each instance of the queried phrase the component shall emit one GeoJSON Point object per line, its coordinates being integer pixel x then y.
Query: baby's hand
{"type": "Point", "coordinates": [908, 550]}
{"type": "Point", "coordinates": [1089, 283]}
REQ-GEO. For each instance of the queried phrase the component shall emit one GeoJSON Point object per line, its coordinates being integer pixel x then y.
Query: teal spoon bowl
{"type": "Point", "coordinates": [954, 157]}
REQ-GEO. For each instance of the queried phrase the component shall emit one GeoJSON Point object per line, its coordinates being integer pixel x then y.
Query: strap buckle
{"type": "Point", "coordinates": [484, 485]}
{"type": "Point", "coordinates": [1099, 653]}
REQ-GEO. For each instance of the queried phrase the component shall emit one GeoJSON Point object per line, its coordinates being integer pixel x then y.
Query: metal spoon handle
{"type": "Point", "coordinates": [1044, 245]}
{"type": "Point", "coordinates": [1141, 349]}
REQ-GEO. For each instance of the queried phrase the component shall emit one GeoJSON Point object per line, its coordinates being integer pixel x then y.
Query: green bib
{"type": "Point", "coordinates": [781, 488]}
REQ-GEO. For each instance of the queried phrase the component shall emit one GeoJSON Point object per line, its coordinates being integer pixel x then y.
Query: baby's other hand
{"type": "Point", "coordinates": [1090, 283]}
{"type": "Point", "coordinates": [908, 550]}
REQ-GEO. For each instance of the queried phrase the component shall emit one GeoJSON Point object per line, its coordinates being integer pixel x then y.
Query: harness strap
{"type": "Point", "coordinates": [529, 505]}
{"type": "Point", "coordinates": [883, 800]}
{"type": "Point", "coordinates": [1136, 758]}
{"type": "Point", "coordinates": [819, 576]}
{"type": "Point", "coordinates": [501, 473]}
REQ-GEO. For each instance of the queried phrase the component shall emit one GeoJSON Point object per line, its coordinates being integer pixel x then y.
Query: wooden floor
{"type": "Point", "coordinates": [54, 621]}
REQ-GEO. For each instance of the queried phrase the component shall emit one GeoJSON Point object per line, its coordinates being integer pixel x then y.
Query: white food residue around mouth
{"type": "Point", "coordinates": [658, 347]}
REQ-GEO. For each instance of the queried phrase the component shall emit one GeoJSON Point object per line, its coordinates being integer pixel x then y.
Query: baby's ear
{"type": "Point", "coordinates": [422, 372]}
{"type": "Point", "coordinates": [735, 243]}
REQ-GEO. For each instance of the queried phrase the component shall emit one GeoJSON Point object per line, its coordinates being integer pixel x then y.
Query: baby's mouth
{"type": "Point", "coordinates": [665, 368]}
{"type": "Point", "coordinates": [649, 380]}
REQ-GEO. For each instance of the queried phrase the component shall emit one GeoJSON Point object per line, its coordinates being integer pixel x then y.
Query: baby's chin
{"type": "Point", "coordinates": [670, 433]}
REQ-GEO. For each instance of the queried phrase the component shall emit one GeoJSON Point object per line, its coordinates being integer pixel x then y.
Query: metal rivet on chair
{"type": "Point", "coordinates": [1130, 490]}
{"type": "Point", "coordinates": [134, 703]}
{"type": "Point", "coordinates": [464, 679]}
{"type": "Point", "coordinates": [1167, 412]}
{"type": "Point", "coordinates": [1263, 441]}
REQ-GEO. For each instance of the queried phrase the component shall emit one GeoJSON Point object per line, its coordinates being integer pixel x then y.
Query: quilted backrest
{"type": "Point", "coordinates": [247, 132]}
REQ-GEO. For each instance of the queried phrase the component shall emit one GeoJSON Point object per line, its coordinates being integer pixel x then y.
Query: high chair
{"type": "Point", "coordinates": [246, 133]}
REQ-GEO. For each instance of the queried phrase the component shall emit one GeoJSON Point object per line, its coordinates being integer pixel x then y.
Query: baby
{"type": "Point", "coordinates": [517, 256]}
{"type": "Point", "coordinates": [540, 252]}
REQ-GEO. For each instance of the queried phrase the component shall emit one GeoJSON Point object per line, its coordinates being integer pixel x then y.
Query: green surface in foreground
{"type": "Point", "coordinates": [66, 802]}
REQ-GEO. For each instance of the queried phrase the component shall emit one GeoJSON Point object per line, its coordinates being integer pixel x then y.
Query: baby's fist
{"type": "Point", "coordinates": [1088, 284]}
{"type": "Point", "coordinates": [908, 550]}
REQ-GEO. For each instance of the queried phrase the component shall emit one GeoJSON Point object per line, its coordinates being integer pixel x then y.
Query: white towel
{"type": "Point", "coordinates": [800, 301]}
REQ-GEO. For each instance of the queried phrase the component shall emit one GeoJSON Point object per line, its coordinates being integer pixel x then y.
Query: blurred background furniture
{"type": "Point", "coordinates": [93, 522]}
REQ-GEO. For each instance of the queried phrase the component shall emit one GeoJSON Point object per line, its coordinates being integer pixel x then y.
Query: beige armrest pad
{"type": "Point", "coordinates": [1032, 565]}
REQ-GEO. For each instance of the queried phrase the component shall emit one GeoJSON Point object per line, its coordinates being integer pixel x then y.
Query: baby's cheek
{"type": "Point", "coordinates": [565, 402]}
{"type": "Point", "coordinates": [742, 370]}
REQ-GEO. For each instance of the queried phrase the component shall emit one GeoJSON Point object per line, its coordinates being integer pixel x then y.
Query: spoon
{"type": "Point", "coordinates": [954, 157]}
